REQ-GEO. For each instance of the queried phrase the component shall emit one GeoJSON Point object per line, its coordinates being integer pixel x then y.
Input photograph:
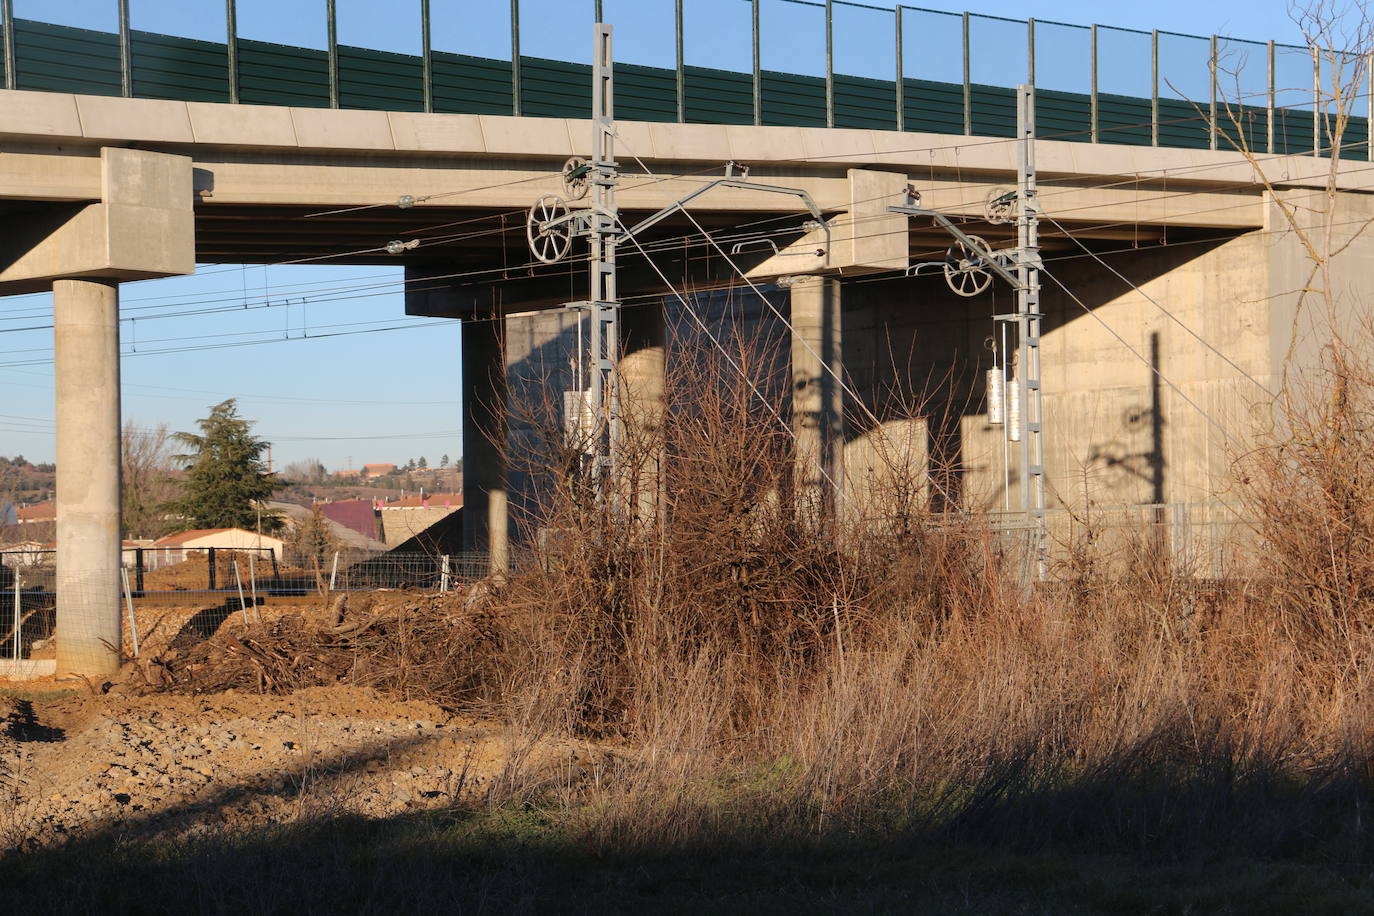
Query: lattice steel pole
{"type": "Point", "coordinates": [1029, 318]}
{"type": "Point", "coordinates": [604, 228]}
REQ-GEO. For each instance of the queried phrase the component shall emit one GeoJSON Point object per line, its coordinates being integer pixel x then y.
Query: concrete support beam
{"type": "Point", "coordinates": [486, 517]}
{"type": "Point", "coordinates": [642, 341]}
{"type": "Point", "coordinates": [817, 399]}
{"type": "Point", "coordinates": [86, 333]}
{"type": "Point", "coordinates": [142, 227]}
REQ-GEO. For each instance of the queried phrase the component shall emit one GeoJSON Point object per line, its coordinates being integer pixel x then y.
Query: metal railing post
{"type": "Point", "coordinates": [968, 88]}
{"type": "Point", "coordinates": [1273, 93]}
{"type": "Point", "coordinates": [681, 64]}
{"type": "Point", "coordinates": [758, 72]}
{"type": "Point", "coordinates": [829, 63]}
{"type": "Point", "coordinates": [1154, 88]}
{"type": "Point", "coordinates": [7, 39]}
{"type": "Point", "coordinates": [126, 62]}
{"type": "Point", "coordinates": [139, 566]}
{"type": "Point", "coordinates": [901, 70]}
{"type": "Point", "coordinates": [427, 57]}
{"type": "Point", "coordinates": [231, 46]}
{"type": "Point", "coordinates": [1316, 101]}
{"type": "Point", "coordinates": [515, 57]}
{"type": "Point", "coordinates": [332, 25]}
{"type": "Point", "coordinates": [1030, 53]}
{"type": "Point", "coordinates": [129, 609]}
{"type": "Point", "coordinates": [210, 565]}
{"type": "Point", "coordinates": [1369, 106]}
{"type": "Point", "coordinates": [1212, 103]}
{"type": "Point", "coordinates": [1092, 83]}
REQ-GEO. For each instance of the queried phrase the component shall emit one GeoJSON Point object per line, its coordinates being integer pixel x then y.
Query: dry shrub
{"type": "Point", "coordinates": [1311, 485]}
{"type": "Point", "coordinates": [782, 670]}
{"type": "Point", "coordinates": [775, 670]}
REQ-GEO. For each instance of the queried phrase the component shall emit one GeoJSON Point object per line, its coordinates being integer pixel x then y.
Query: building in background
{"type": "Point", "coordinates": [175, 548]}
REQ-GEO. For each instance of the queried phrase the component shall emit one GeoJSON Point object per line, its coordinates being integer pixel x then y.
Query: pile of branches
{"type": "Point", "coordinates": [433, 648]}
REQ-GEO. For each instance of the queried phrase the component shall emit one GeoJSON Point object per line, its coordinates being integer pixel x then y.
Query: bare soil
{"type": "Point", "coordinates": [75, 761]}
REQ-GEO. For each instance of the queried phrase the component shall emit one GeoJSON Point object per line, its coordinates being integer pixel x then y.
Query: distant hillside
{"type": "Point", "coordinates": [23, 483]}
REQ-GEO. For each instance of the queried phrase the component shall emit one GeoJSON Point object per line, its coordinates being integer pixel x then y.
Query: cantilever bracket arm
{"type": "Point", "coordinates": [672, 208]}
{"type": "Point", "coordinates": [989, 256]}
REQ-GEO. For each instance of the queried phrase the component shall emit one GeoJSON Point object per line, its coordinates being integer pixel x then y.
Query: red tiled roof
{"type": "Point", "coordinates": [38, 512]}
{"type": "Point", "coordinates": [433, 500]}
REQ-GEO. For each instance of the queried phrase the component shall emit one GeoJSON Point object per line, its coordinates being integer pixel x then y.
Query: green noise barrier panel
{"type": "Point", "coordinates": [718, 96]}
{"type": "Point", "coordinates": [272, 74]}
{"type": "Point", "coordinates": [57, 58]}
{"type": "Point", "coordinates": [167, 67]}
{"type": "Point", "coordinates": [864, 103]}
{"type": "Point", "coordinates": [380, 80]}
{"type": "Point", "coordinates": [470, 85]}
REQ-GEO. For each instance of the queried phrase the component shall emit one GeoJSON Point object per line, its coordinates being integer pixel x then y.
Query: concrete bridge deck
{"type": "Point", "coordinates": [95, 190]}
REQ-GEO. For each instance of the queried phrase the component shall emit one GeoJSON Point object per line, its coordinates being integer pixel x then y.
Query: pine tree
{"type": "Point", "coordinates": [226, 479]}
{"type": "Point", "coordinates": [443, 462]}
{"type": "Point", "coordinates": [312, 541]}
{"type": "Point", "coordinates": [423, 463]}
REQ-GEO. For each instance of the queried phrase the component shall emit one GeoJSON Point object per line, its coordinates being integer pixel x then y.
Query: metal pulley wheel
{"type": "Point", "coordinates": [964, 268]}
{"type": "Point", "coordinates": [548, 229]}
{"type": "Point", "coordinates": [576, 178]}
{"type": "Point", "coordinates": [1001, 206]}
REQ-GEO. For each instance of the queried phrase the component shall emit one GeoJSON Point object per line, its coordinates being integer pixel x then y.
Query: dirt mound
{"type": "Point", "coordinates": [432, 646]}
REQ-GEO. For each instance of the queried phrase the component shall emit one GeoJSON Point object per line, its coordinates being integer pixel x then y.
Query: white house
{"type": "Point", "coordinates": [175, 548]}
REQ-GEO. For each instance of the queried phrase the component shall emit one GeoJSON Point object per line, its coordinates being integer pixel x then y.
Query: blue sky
{"type": "Point", "coordinates": [389, 396]}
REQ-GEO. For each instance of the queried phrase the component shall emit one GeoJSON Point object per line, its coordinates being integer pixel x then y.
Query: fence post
{"type": "Point", "coordinates": [1093, 115]}
{"type": "Point", "coordinates": [253, 585]}
{"type": "Point", "coordinates": [901, 70]}
{"type": "Point", "coordinates": [7, 37]}
{"type": "Point", "coordinates": [138, 571]}
{"type": "Point", "coordinates": [443, 576]}
{"type": "Point", "coordinates": [126, 64]}
{"type": "Point", "coordinates": [829, 63]}
{"type": "Point", "coordinates": [968, 87]}
{"type": "Point", "coordinates": [758, 65]}
{"type": "Point", "coordinates": [427, 61]}
{"type": "Point", "coordinates": [210, 552]}
{"type": "Point", "coordinates": [129, 608]}
{"type": "Point", "coordinates": [334, 571]}
{"type": "Point", "coordinates": [681, 75]}
{"type": "Point", "coordinates": [231, 47]}
{"type": "Point", "coordinates": [238, 580]}
{"type": "Point", "coordinates": [332, 29]}
{"type": "Point", "coordinates": [1154, 88]}
{"type": "Point", "coordinates": [1212, 103]}
{"type": "Point", "coordinates": [515, 57]}
{"type": "Point", "coordinates": [18, 617]}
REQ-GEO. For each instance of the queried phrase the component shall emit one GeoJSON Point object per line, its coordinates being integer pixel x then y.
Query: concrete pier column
{"type": "Point", "coordinates": [817, 399]}
{"type": "Point", "coordinates": [86, 334]}
{"type": "Point", "coordinates": [486, 517]}
{"type": "Point", "coordinates": [642, 388]}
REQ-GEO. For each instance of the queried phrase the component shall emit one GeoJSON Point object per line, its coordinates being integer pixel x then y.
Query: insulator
{"type": "Point", "coordinates": [1014, 410]}
{"type": "Point", "coordinates": [996, 401]}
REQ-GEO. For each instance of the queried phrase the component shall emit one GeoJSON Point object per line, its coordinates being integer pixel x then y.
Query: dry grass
{"type": "Point", "coordinates": [776, 673]}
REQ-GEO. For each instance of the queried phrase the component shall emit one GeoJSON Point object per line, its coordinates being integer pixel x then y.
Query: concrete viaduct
{"type": "Point", "coordinates": [97, 190]}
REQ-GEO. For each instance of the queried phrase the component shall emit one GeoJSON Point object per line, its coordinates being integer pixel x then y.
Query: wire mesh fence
{"type": "Point", "coordinates": [215, 583]}
{"type": "Point", "coordinates": [1201, 542]}
{"type": "Point", "coordinates": [1204, 541]}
